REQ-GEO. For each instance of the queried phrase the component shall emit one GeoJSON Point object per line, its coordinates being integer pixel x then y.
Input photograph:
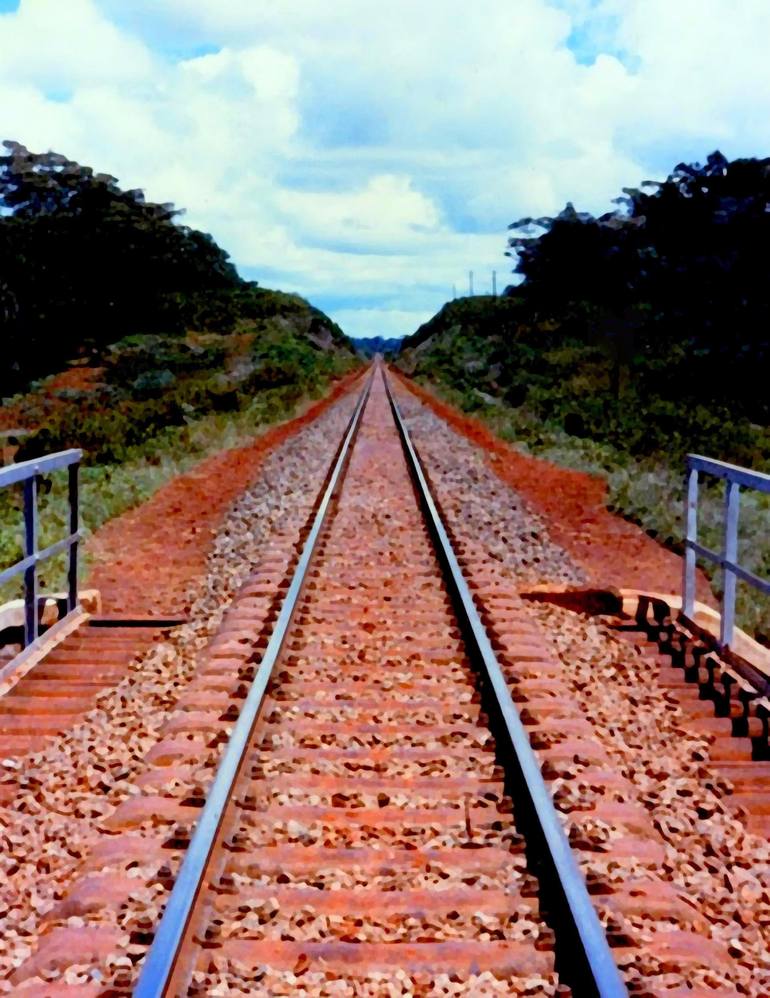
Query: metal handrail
{"type": "Point", "coordinates": [28, 473]}
{"type": "Point", "coordinates": [592, 966]}
{"type": "Point", "coordinates": [735, 478]}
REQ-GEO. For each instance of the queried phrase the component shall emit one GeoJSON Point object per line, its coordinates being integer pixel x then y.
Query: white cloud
{"type": "Point", "coordinates": [63, 45]}
{"type": "Point", "coordinates": [701, 73]}
{"type": "Point", "coordinates": [378, 151]}
{"type": "Point", "coordinates": [386, 215]}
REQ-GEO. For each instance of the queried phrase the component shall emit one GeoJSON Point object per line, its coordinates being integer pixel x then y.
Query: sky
{"type": "Point", "coordinates": [368, 155]}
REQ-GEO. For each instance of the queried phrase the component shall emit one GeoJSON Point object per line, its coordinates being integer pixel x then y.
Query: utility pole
{"type": "Point", "coordinates": [494, 283]}
{"type": "Point", "coordinates": [454, 292]}
{"type": "Point", "coordinates": [470, 283]}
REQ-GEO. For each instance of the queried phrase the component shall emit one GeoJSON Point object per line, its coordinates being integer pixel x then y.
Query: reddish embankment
{"type": "Point", "coordinates": [145, 559]}
{"type": "Point", "coordinates": [612, 551]}
{"type": "Point", "coordinates": [47, 399]}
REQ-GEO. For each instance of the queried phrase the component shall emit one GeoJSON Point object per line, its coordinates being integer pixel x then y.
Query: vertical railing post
{"type": "Point", "coordinates": [72, 573]}
{"type": "Point", "coordinates": [30, 549]}
{"type": "Point", "coordinates": [730, 554]}
{"type": "Point", "coordinates": [691, 534]}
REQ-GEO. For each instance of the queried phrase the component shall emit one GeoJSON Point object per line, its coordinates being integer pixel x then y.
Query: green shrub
{"type": "Point", "coordinates": [151, 384]}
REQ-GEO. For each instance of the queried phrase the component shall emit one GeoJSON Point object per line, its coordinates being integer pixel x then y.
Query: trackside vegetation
{"type": "Point", "coordinates": [631, 340]}
{"type": "Point", "coordinates": [134, 338]}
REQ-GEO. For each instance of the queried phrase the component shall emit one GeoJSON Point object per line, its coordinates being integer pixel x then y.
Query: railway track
{"type": "Point", "coordinates": [360, 830]}
{"type": "Point", "coordinates": [379, 823]}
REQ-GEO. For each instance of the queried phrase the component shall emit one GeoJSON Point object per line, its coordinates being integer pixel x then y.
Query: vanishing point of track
{"type": "Point", "coordinates": [379, 722]}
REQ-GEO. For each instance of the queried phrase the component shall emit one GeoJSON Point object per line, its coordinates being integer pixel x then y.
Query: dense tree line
{"type": "Point", "coordinates": [83, 262]}
{"type": "Point", "coordinates": [673, 283]}
{"type": "Point", "coordinates": [386, 345]}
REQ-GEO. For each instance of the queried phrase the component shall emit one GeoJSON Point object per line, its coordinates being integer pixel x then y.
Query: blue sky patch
{"type": "Point", "coordinates": [59, 95]}
{"type": "Point", "coordinates": [582, 45]}
{"type": "Point", "coordinates": [595, 35]}
{"type": "Point", "coordinates": [179, 51]}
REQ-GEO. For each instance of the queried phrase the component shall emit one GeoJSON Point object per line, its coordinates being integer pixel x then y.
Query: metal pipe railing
{"type": "Point", "coordinates": [735, 478]}
{"type": "Point", "coordinates": [28, 473]}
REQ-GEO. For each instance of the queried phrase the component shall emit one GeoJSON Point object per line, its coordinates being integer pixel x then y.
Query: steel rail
{"type": "Point", "coordinates": [757, 480]}
{"type": "Point", "coordinates": [160, 962]}
{"type": "Point", "coordinates": [735, 479]}
{"type": "Point", "coordinates": [742, 573]}
{"type": "Point", "coordinates": [584, 958]}
{"type": "Point", "coordinates": [28, 473]}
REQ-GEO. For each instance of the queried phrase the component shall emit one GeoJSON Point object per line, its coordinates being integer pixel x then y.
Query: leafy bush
{"type": "Point", "coordinates": [135, 356]}
{"type": "Point", "coordinates": [153, 383]}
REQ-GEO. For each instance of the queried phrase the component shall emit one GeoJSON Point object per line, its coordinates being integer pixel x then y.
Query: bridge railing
{"type": "Point", "coordinates": [28, 473]}
{"type": "Point", "coordinates": [735, 478]}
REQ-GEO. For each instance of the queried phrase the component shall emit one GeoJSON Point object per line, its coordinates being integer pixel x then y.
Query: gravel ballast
{"type": "Point", "coordinates": [491, 520]}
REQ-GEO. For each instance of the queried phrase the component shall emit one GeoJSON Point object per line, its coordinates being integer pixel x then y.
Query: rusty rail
{"type": "Point", "coordinates": [159, 965]}
{"type": "Point", "coordinates": [583, 954]}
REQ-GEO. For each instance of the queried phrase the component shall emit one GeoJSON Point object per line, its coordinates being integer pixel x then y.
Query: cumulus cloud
{"type": "Point", "coordinates": [65, 45]}
{"type": "Point", "coordinates": [387, 216]}
{"type": "Point", "coordinates": [378, 151]}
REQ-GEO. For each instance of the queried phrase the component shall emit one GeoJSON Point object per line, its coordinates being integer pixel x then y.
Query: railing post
{"type": "Point", "coordinates": [691, 534]}
{"type": "Point", "coordinates": [730, 555]}
{"type": "Point", "coordinates": [72, 574]}
{"type": "Point", "coordinates": [30, 549]}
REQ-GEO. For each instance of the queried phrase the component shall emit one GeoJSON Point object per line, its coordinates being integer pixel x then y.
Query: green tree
{"type": "Point", "coordinates": [691, 254]}
{"type": "Point", "coordinates": [84, 262]}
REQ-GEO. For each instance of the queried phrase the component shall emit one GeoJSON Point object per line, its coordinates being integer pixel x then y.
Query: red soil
{"type": "Point", "coordinates": [612, 551]}
{"type": "Point", "coordinates": [146, 558]}
{"type": "Point", "coordinates": [79, 378]}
